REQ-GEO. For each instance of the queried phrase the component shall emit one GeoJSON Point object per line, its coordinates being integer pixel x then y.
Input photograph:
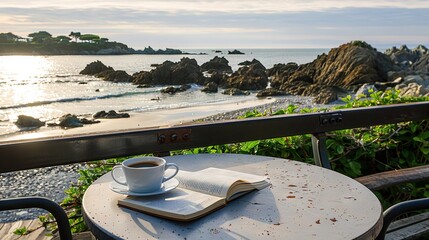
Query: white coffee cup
{"type": "Point", "coordinates": [143, 174]}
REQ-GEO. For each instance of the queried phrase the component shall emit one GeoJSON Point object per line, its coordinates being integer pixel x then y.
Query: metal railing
{"type": "Point", "coordinates": [36, 153]}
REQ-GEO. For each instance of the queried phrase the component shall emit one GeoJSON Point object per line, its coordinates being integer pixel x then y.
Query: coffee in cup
{"type": "Point", "coordinates": [143, 174]}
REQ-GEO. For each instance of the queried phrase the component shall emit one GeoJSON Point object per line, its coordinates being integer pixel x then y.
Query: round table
{"type": "Point", "coordinates": [304, 202]}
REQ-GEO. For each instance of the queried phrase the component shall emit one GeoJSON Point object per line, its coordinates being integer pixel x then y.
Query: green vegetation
{"type": "Point", "coordinates": [43, 42]}
{"type": "Point", "coordinates": [353, 152]}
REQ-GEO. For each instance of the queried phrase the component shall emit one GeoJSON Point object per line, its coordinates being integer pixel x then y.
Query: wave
{"type": "Point", "coordinates": [77, 99]}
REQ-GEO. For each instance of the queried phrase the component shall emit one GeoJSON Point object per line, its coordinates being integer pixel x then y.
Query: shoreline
{"type": "Point", "coordinates": [143, 120]}
{"type": "Point", "coordinates": [166, 118]}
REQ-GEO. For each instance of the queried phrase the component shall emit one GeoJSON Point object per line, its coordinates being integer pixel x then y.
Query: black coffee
{"type": "Point", "coordinates": [144, 164]}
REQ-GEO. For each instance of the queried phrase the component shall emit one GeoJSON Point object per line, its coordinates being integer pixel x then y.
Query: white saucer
{"type": "Point", "coordinates": [167, 186]}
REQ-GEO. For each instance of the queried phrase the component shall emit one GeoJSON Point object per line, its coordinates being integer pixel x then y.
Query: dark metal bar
{"type": "Point", "coordinates": [44, 203]}
{"type": "Point", "coordinates": [320, 153]}
{"type": "Point", "coordinates": [400, 208]}
{"type": "Point", "coordinates": [34, 153]}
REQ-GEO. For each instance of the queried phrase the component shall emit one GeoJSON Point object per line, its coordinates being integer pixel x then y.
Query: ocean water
{"type": "Point", "coordinates": [47, 87]}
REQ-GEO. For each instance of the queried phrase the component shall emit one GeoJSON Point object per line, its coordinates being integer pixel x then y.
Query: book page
{"type": "Point", "coordinates": [215, 181]}
{"type": "Point", "coordinates": [180, 204]}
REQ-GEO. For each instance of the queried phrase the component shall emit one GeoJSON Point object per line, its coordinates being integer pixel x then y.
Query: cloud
{"type": "Point", "coordinates": [220, 23]}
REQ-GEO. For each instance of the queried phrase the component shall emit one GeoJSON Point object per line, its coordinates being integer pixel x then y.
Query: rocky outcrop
{"type": "Point", "coordinates": [110, 114]}
{"type": "Point", "coordinates": [72, 121]}
{"type": "Point", "coordinates": [344, 68]}
{"type": "Point", "coordinates": [235, 92]}
{"type": "Point", "coordinates": [150, 50]}
{"type": "Point", "coordinates": [210, 87]}
{"type": "Point", "coordinates": [217, 64]}
{"type": "Point", "coordinates": [25, 121]}
{"type": "Point", "coordinates": [281, 71]}
{"type": "Point", "coordinates": [100, 70]}
{"type": "Point", "coordinates": [235, 51]}
{"type": "Point", "coordinates": [174, 90]}
{"type": "Point", "coordinates": [269, 92]}
{"type": "Point", "coordinates": [422, 64]}
{"type": "Point", "coordinates": [168, 73]}
{"type": "Point", "coordinates": [216, 77]}
{"type": "Point", "coordinates": [95, 68]}
{"type": "Point", "coordinates": [115, 76]}
{"type": "Point", "coordinates": [249, 77]}
{"type": "Point", "coordinates": [405, 57]}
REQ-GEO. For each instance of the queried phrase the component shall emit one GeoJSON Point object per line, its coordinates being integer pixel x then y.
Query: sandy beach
{"type": "Point", "coordinates": [151, 119]}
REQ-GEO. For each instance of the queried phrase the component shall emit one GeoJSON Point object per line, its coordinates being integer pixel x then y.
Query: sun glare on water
{"type": "Point", "coordinates": [24, 69]}
{"type": "Point", "coordinates": [21, 76]}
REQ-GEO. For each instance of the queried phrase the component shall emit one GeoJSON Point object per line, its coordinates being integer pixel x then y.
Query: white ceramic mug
{"type": "Point", "coordinates": [143, 174]}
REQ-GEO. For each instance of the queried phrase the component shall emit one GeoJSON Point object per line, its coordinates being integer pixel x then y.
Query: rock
{"type": "Point", "coordinates": [216, 77]}
{"type": "Point", "coordinates": [173, 90]}
{"type": "Point", "coordinates": [412, 90]}
{"type": "Point", "coordinates": [95, 68]}
{"type": "Point", "coordinates": [70, 121]}
{"type": "Point", "coordinates": [365, 90]}
{"type": "Point", "coordinates": [109, 115]}
{"type": "Point", "coordinates": [115, 76]}
{"type": "Point", "coordinates": [247, 62]}
{"type": "Point", "coordinates": [235, 51]}
{"type": "Point", "coordinates": [281, 72]}
{"type": "Point", "coordinates": [28, 122]}
{"type": "Point", "coordinates": [217, 64]}
{"type": "Point", "coordinates": [142, 78]}
{"type": "Point", "coordinates": [235, 92]}
{"type": "Point", "coordinates": [210, 87]}
{"type": "Point", "coordinates": [249, 77]}
{"type": "Point", "coordinates": [404, 56]}
{"type": "Point", "coordinates": [414, 79]}
{"type": "Point", "coordinates": [422, 64]}
{"type": "Point", "coordinates": [150, 50]}
{"type": "Point", "coordinates": [271, 92]}
{"type": "Point", "coordinates": [145, 86]}
{"type": "Point", "coordinates": [344, 68]}
{"type": "Point", "coordinates": [168, 73]}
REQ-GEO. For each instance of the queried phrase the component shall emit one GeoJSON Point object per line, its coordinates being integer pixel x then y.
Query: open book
{"type": "Point", "coordinates": [198, 194]}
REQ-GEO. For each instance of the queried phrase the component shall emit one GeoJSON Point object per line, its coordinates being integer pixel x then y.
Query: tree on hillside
{"type": "Point", "coordinates": [40, 37]}
{"type": "Point", "coordinates": [90, 38]}
{"type": "Point", "coordinates": [8, 37]}
{"type": "Point", "coordinates": [75, 35]}
{"type": "Point", "coordinates": [62, 39]}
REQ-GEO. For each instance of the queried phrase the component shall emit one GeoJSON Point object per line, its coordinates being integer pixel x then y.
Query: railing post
{"type": "Point", "coordinates": [318, 141]}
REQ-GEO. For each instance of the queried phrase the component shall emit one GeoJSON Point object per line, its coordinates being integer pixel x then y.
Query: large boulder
{"type": "Point", "coordinates": [422, 64]}
{"type": "Point", "coordinates": [174, 90]}
{"type": "Point", "coordinates": [72, 121]}
{"type": "Point", "coordinates": [110, 114]}
{"type": "Point", "coordinates": [210, 87]}
{"type": "Point", "coordinates": [95, 68]}
{"type": "Point", "coordinates": [25, 121]}
{"type": "Point", "coordinates": [281, 71]}
{"type": "Point", "coordinates": [217, 64]}
{"type": "Point", "coordinates": [248, 77]}
{"type": "Point", "coordinates": [269, 92]}
{"type": "Point", "coordinates": [168, 73]}
{"type": "Point", "coordinates": [235, 51]}
{"type": "Point", "coordinates": [344, 68]}
{"type": "Point", "coordinates": [115, 76]}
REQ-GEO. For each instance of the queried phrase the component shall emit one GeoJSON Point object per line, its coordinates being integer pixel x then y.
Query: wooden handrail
{"type": "Point", "coordinates": [34, 153]}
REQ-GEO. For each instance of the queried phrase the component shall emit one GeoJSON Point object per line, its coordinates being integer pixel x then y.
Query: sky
{"type": "Point", "coordinates": [224, 24]}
